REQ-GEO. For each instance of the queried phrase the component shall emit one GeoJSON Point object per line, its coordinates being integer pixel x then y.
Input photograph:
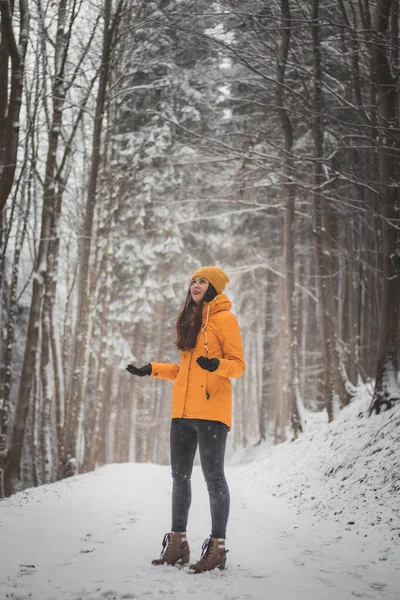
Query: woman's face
{"type": "Point", "coordinates": [198, 287]}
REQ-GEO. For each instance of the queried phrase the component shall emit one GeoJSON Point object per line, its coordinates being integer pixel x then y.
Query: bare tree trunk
{"type": "Point", "coordinates": [86, 399]}
{"type": "Point", "coordinates": [289, 191]}
{"type": "Point", "coordinates": [280, 391]}
{"type": "Point", "coordinates": [33, 428]}
{"type": "Point", "coordinates": [125, 429]}
{"type": "Point", "coordinates": [317, 209]}
{"type": "Point", "coordinates": [333, 380]}
{"type": "Point", "coordinates": [119, 417]}
{"type": "Point", "coordinates": [62, 409]}
{"type": "Point", "coordinates": [11, 87]}
{"type": "Point", "coordinates": [242, 413]}
{"type": "Point", "coordinates": [303, 324]}
{"type": "Point", "coordinates": [266, 414]}
{"type": "Point", "coordinates": [9, 344]}
{"type": "Point", "coordinates": [338, 372]}
{"type": "Point", "coordinates": [99, 395]}
{"type": "Point", "coordinates": [46, 367]}
{"type": "Point", "coordinates": [377, 246]}
{"type": "Point", "coordinates": [140, 433]}
{"type": "Point", "coordinates": [155, 424]}
{"type": "Point", "coordinates": [58, 388]}
{"type": "Point", "coordinates": [11, 91]}
{"type": "Point", "coordinates": [370, 304]}
{"type": "Point", "coordinates": [352, 296]}
{"type": "Point", "coordinates": [102, 444]}
{"type": "Point", "coordinates": [387, 389]}
{"type": "Point", "coordinates": [135, 402]}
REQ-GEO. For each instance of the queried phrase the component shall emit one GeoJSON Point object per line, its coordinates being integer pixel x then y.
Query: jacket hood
{"type": "Point", "coordinates": [220, 302]}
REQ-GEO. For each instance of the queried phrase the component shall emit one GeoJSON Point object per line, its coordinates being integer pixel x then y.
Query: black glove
{"type": "Point", "coordinates": [141, 372]}
{"type": "Point", "coordinates": [208, 364]}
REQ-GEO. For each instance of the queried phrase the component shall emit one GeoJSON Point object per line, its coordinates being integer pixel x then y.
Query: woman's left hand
{"type": "Point", "coordinates": [208, 364]}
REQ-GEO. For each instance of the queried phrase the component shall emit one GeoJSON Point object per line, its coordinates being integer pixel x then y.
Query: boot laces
{"type": "Point", "coordinates": [165, 544]}
{"type": "Point", "coordinates": [206, 548]}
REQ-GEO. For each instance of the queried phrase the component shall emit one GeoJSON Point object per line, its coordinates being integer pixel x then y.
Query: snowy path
{"type": "Point", "coordinates": [93, 536]}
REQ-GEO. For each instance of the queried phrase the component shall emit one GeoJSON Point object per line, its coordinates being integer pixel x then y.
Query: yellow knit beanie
{"type": "Point", "coordinates": [215, 276]}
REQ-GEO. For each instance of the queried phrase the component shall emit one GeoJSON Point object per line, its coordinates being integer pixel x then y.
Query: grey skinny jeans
{"type": "Point", "coordinates": [210, 436]}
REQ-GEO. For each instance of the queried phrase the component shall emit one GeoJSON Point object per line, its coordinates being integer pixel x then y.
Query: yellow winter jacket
{"type": "Point", "coordinates": [199, 394]}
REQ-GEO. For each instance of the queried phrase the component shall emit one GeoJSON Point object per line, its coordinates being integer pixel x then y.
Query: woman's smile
{"type": "Point", "coordinates": [198, 288]}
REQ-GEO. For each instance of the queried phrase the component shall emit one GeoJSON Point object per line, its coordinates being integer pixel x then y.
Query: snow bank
{"type": "Point", "coordinates": [348, 470]}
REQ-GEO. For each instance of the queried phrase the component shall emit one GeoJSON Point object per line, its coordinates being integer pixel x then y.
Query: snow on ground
{"type": "Point", "coordinates": [348, 470]}
{"type": "Point", "coordinates": [314, 519]}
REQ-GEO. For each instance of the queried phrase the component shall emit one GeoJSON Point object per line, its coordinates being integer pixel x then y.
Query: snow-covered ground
{"type": "Point", "coordinates": [314, 519]}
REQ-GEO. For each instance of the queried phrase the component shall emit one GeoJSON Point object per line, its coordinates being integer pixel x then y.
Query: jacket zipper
{"type": "Point", "coordinates": [187, 383]}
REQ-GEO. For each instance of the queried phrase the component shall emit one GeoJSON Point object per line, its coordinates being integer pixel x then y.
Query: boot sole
{"type": "Point", "coordinates": [180, 563]}
{"type": "Point", "coordinates": [221, 567]}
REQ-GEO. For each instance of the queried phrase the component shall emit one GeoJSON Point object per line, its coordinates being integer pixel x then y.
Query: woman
{"type": "Point", "coordinates": [209, 340]}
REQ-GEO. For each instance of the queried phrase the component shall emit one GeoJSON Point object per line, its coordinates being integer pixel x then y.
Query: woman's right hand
{"type": "Point", "coordinates": [141, 371]}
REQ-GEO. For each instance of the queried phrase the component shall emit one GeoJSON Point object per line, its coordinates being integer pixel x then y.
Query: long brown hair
{"type": "Point", "coordinates": [189, 320]}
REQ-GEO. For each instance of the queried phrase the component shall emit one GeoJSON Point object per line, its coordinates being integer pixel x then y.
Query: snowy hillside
{"type": "Point", "coordinates": [348, 470]}
{"type": "Point", "coordinates": [313, 519]}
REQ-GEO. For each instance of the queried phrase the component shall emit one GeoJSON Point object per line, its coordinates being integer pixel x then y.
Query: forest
{"type": "Point", "coordinates": [142, 139]}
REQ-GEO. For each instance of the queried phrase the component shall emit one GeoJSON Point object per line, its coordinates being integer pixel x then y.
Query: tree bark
{"type": "Point", "coordinates": [317, 210]}
{"type": "Point", "coordinates": [387, 389]}
{"type": "Point", "coordinates": [281, 412]}
{"type": "Point", "coordinates": [352, 306]}
{"type": "Point", "coordinates": [47, 366]}
{"type": "Point", "coordinates": [333, 381]}
{"type": "Point", "coordinates": [10, 104]}
{"type": "Point", "coordinates": [289, 191]}
{"type": "Point", "coordinates": [99, 396]}
{"type": "Point", "coordinates": [102, 449]}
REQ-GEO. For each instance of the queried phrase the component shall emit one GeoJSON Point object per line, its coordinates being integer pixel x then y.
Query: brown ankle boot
{"type": "Point", "coordinates": [175, 550]}
{"type": "Point", "coordinates": [213, 555]}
